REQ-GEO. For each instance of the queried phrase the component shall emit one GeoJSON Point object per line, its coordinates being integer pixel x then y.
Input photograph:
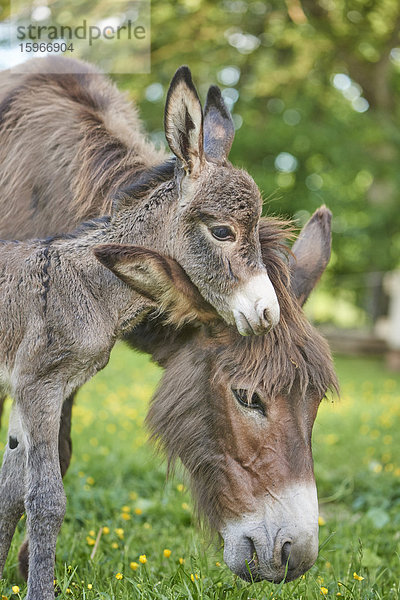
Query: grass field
{"type": "Point", "coordinates": [150, 548]}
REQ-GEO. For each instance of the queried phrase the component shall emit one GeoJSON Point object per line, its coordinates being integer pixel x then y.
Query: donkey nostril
{"type": "Point", "coordinates": [285, 554]}
{"type": "Point", "coordinates": [266, 315]}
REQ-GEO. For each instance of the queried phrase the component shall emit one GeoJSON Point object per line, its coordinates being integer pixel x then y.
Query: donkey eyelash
{"type": "Point", "coordinates": [255, 404]}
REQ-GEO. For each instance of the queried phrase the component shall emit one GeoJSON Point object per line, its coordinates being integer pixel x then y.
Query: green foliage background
{"type": "Point", "coordinates": [287, 54]}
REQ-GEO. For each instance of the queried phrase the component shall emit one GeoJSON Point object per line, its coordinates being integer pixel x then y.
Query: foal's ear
{"type": "Point", "coordinates": [219, 130]}
{"type": "Point", "coordinates": [183, 120]}
{"type": "Point", "coordinates": [311, 254]}
{"type": "Point", "coordinates": [160, 279]}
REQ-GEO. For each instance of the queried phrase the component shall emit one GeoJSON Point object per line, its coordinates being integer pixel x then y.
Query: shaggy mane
{"type": "Point", "coordinates": [293, 351]}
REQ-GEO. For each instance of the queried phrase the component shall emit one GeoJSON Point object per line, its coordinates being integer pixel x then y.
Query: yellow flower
{"type": "Point", "coordinates": [193, 577]}
{"type": "Point", "coordinates": [138, 511]}
{"type": "Point", "coordinates": [185, 506]}
{"type": "Point", "coordinates": [90, 540]}
{"type": "Point", "coordinates": [321, 521]}
{"type": "Point", "coordinates": [126, 509]}
{"type": "Point", "coordinates": [143, 559]}
{"type": "Point", "coordinates": [167, 553]}
{"type": "Point", "coordinates": [119, 576]}
{"type": "Point", "coordinates": [89, 586]}
{"type": "Point", "coordinates": [92, 533]}
{"type": "Point", "coordinates": [4, 598]}
{"type": "Point", "coordinates": [357, 577]}
{"type": "Point", "coordinates": [114, 545]}
{"type": "Point", "coordinates": [180, 487]}
{"type": "Point", "coordinates": [90, 481]}
{"type": "Point", "coordinates": [181, 560]}
{"type": "Point", "coordinates": [134, 566]}
{"type": "Point", "coordinates": [69, 591]}
{"type": "Point", "coordinates": [15, 589]}
{"type": "Point", "coordinates": [217, 564]}
{"type": "Point", "coordinates": [120, 533]}
{"type": "Point", "coordinates": [126, 516]}
{"type": "Point", "coordinates": [106, 530]}
{"type": "Point", "coordinates": [324, 590]}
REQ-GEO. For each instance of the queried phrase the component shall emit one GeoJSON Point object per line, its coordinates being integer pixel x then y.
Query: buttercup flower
{"type": "Point", "coordinates": [133, 566]}
{"type": "Point", "coordinates": [143, 559]}
{"type": "Point", "coordinates": [119, 576]}
{"type": "Point", "coordinates": [167, 553]}
{"type": "Point", "coordinates": [357, 577]}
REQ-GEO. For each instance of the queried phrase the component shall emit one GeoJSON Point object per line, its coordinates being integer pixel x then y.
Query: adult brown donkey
{"type": "Point", "coordinates": [238, 412]}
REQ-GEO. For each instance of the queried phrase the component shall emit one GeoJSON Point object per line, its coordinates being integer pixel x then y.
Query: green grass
{"type": "Point", "coordinates": [116, 482]}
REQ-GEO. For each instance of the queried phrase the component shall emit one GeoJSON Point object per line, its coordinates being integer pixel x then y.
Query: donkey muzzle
{"type": "Point", "coordinates": [255, 306]}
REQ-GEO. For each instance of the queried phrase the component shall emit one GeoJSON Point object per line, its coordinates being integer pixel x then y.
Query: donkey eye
{"type": "Point", "coordinates": [223, 233]}
{"type": "Point", "coordinates": [256, 402]}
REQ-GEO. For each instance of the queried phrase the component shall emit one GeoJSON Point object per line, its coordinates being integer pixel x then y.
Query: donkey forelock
{"type": "Point", "coordinates": [185, 413]}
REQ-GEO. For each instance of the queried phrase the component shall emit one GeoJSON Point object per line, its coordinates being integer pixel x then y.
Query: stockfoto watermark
{"type": "Point", "coordinates": [35, 33]}
{"type": "Point", "coordinates": [116, 38]}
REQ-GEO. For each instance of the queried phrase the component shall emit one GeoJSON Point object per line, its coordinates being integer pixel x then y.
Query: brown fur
{"type": "Point", "coordinates": [68, 142]}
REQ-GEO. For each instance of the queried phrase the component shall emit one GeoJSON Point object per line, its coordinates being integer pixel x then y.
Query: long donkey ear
{"type": "Point", "coordinates": [183, 120]}
{"type": "Point", "coordinates": [219, 130]}
{"type": "Point", "coordinates": [311, 254]}
{"type": "Point", "coordinates": [158, 278]}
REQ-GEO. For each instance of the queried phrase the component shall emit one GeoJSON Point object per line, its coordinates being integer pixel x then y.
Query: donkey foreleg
{"type": "Point", "coordinates": [45, 500]}
{"type": "Point", "coordinates": [12, 491]}
{"type": "Point", "coordinates": [65, 451]}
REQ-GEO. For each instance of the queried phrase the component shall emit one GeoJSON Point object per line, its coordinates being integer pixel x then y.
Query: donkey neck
{"type": "Point", "coordinates": [151, 223]}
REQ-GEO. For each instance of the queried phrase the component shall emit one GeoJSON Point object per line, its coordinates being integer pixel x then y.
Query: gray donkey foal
{"type": "Point", "coordinates": [213, 223]}
{"type": "Point", "coordinates": [60, 315]}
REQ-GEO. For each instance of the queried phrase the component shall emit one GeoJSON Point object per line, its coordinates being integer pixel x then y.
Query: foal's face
{"type": "Point", "coordinates": [217, 242]}
{"type": "Point", "coordinates": [215, 238]}
{"type": "Point", "coordinates": [268, 498]}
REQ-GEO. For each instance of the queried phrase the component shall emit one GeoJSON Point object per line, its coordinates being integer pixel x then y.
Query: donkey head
{"type": "Point", "coordinates": [216, 221]}
{"type": "Point", "coordinates": [239, 412]}
{"type": "Point", "coordinates": [207, 215]}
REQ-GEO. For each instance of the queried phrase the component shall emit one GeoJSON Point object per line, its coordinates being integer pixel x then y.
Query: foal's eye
{"type": "Point", "coordinates": [223, 233]}
{"type": "Point", "coordinates": [256, 402]}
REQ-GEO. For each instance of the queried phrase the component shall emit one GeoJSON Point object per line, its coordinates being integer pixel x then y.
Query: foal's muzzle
{"type": "Point", "coordinates": [255, 307]}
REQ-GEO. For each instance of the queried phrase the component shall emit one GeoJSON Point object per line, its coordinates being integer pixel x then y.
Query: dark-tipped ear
{"type": "Point", "coordinates": [219, 130]}
{"type": "Point", "coordinates": [311, 254]}
{"type": "Point", "coordinates": [183, 120]}
{"type": "Point", "coordinates": [158, 278]}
